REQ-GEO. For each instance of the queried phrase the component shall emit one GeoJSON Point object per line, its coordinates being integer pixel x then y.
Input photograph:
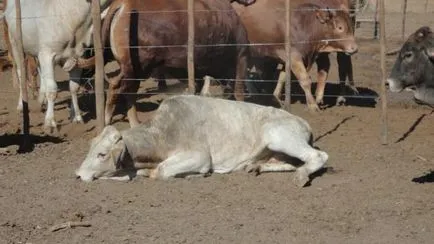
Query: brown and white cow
{"type": "Point", "coordinates": [144, 40]}
{"type": "Point", "coordinates": [314, 30]}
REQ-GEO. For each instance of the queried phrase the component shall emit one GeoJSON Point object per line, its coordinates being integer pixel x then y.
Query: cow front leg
{"type": "Point", "coordinates": [300, 72]}
{"type": "Point", "coordinates": [279, 86]}
{"type": "Point", "coordinates": [323, 66]}
{"type": "Point", "coordinates": [206, 85]}
{"type": "Point", "coordinates": [183, 164]}
{"type": "Point", "coordinates": [47, 78]}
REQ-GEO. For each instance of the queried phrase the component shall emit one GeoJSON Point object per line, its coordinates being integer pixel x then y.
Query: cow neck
{"type": "Point", "coordinates": [140, 142]}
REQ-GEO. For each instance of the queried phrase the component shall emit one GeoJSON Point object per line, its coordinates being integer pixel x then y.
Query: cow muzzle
{"type": "Point", "coordinates": [86, 177]}
{"type": "Point", "coordinates": [352, 49]}
{"type": "Point", "coordinates": [394, 85]}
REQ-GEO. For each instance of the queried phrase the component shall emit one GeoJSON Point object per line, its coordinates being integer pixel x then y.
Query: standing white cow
{"type": "Point", "coordinates": [54, 31]}
{"type": "Point", "coordinates": [199, 135]}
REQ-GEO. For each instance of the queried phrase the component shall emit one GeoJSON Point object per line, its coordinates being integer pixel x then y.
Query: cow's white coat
{"type": "Point", "coordinates": [49, 28]}
{"type": "Point", "coordinates": [197, 135]}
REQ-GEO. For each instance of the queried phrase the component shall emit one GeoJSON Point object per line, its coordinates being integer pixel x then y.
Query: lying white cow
{"type": "Point", "coordinates": [199, 135]}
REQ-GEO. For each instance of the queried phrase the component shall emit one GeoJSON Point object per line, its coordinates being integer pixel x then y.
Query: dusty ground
{"type": "Point", "coordinates": [369, 194]}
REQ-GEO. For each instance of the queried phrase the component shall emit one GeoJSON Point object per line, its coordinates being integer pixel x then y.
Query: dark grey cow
{"type": "Point", "coordinates": [414, 68]}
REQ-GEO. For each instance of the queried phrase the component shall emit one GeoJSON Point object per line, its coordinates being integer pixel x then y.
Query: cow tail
{"type": "Point", "coordinates": [105, 33]}
{"type": "Point", "coordinates": [105, 38]}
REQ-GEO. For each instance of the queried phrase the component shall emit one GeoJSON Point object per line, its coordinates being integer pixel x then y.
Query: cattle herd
{"type": "Point", "coordinates": [188, 134]}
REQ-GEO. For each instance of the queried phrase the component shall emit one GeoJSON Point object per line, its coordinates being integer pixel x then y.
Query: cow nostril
{"type": "Point", "coordinates": [77, 177]}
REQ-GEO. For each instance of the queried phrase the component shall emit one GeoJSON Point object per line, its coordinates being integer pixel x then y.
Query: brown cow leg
{"type": "Point", "coordinates": [112, 95]}
{"type": "Point", "coordinates": [302, 75]}
{"type": "Point", "coordinates": [112, 99]}
{"type": "Point", "coordinates": [240, 78]}
{"type": "Point", "coordinates": [323, 66]}
{"type": "Point", "coordinates": [279, 86]}
{"type": "Point", "coordinates": [131, 97]}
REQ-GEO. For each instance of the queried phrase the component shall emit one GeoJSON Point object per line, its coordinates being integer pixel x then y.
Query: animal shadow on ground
{"type": "Point", "coordinates": [413, 127]}
{"type": "Point", "coordinates": [265, 77]}
{"type": "Point", "coordinates": [427, 178]}
{"type": "Point", "coordinates": [343, 121]}
{"type": "Point", "coordinates": [8, 140]}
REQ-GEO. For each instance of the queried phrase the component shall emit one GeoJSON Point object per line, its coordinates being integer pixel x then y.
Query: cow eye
{"type": "Point", "coordinates": [408, 55]}
{"type": "Point", "coordinates": [101, 155]}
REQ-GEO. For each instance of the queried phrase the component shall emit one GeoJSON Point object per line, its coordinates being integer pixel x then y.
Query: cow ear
{"type": "Point", "coordinates": [344, 8]}
{"type": "Point", "coordinates": [422, 33]}
{"type": "Point", "coordinates": [331, 12]}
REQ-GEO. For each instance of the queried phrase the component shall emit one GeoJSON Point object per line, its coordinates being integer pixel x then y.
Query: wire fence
{"type": "Point", "coordinates": [360, 9]}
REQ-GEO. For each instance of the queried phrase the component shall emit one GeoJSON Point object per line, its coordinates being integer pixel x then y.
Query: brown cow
{"type": "Point", "coordinates": [136, 24]}
{"type": "Point", "coordinates": [313, 31]}
{"type": "Point", "coordinates": [7, 62]}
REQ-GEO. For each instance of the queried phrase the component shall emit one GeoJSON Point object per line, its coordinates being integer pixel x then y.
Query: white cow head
{"type": "Point", "coordinates": [104, 158]}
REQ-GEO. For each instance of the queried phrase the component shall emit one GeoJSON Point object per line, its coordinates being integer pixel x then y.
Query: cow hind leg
{"type": "Point", "coordinates": [47, 78]}
{"type": "Point", "coordinates": [130, 94]}
{"type": "Point", "coordinates": [293, 141]}
{"type": "Point", "coordinates": [183, 164]}
{"type": "Point", "coordinates": [345, 68]}
{"type": "Point", "coordinates": [272, 165]}
{"type": "Point", "coordinates": [74, 86]}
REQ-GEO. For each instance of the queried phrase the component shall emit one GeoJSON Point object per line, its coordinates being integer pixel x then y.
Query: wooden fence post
{"type": "Point", "coordinates": [288, 56]}
{"type": "Point", "coordinates": [190, 48]}
{"type": "Point", "coordinates": [404, 17]}
{"type": "Point", "coordinates": [99, 65]}
{"type": "Point", "coordinates": [383, 73]}
{"type": "Point", "coordinates": [25, 145]}
{"type": "Point", "coordinates": [376, 19]}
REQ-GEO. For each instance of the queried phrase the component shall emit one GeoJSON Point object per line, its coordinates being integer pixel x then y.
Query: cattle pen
{"type": "Point", "coordinates": [377, 185]}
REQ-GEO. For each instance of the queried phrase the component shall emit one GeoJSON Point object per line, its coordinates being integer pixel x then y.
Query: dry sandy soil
{"type": "Point", "coordinates": [369, 193]}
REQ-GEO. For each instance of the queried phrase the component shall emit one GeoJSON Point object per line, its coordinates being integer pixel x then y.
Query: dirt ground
{"type": "Point", "coordinates": [369, 192]}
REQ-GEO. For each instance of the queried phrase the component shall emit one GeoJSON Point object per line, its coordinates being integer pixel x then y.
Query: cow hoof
{"type": "Point", "coordinates": [301, 178]}
{"type": "Point", "coordinates": [206, 94]}
{"type": "Point", "coordinates": [78, 120]}
{"type": "Point", "coordinates": [187, 92]}
{"type": "Point", "coordinates": [354, 89]}
{"type": "Point", "coordinates": [143, 172]}
{"type": "Point", "coordinates": [69, 64]}
{"type": "Point", "coordinates": [20, 108]}
{"type": "Point", "coordinates": [313, 108]}
{"type": "Point", "coordinates": [253, 169]}
{"type": "Point", "coordinates": [153, 173]}
{"type": "Point", "coordinates": [340, 101]}
{"type": "Point", "coordinates": [50, 127]}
